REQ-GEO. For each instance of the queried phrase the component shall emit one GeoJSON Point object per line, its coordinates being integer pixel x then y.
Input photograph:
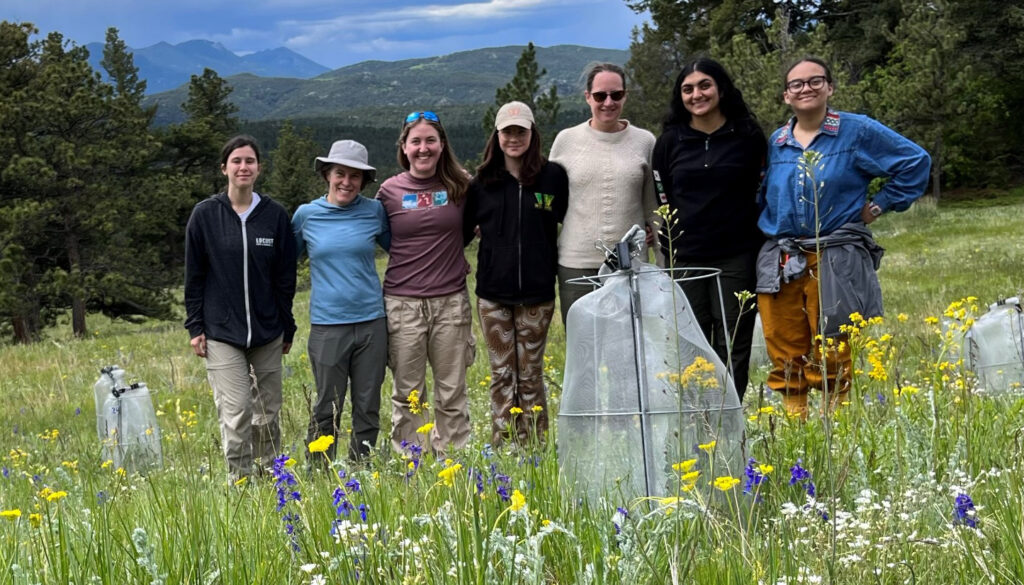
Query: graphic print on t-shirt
{"type": "Point", "coordinates": [424, 199]}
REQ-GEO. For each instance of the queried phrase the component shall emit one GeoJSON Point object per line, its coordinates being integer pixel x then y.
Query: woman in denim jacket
{"type": "Point", "coordinates": [815, 193]}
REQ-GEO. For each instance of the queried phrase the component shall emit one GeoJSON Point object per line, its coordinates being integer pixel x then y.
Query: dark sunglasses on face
{"type": "Point", "coordinates": [600, 96]}
{"type": "Point", "coordinates": [428, 115]}
{"type": "Point", "coordinates": [796, 85]}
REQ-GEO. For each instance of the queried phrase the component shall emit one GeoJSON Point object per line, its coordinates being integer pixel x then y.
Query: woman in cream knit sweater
{"type": "Point", "coordinates": [611, 188]}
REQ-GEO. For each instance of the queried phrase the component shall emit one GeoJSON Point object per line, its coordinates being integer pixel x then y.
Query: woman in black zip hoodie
{"type": "Point", "coordinates": [239, 282]}
{"type": "Point", "coordinates": [707, 164]}
{"type": "Point", "coordinates": [516, 202]}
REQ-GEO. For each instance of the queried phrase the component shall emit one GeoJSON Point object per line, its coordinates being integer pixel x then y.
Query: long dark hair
{"type": "Point", "coordinates": [449, 170]}
{"type": "Point", "coordinates": [730, 99]}
{"type": "Point", "coordinates": [494, 159]}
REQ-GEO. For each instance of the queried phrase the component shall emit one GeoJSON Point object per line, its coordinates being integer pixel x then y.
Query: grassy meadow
{"type": "Point", "coordinates": [917, 480]}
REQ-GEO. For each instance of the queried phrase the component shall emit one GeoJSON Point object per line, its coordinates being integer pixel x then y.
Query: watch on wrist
{"type": "Point", "coordinates": [874, 209]}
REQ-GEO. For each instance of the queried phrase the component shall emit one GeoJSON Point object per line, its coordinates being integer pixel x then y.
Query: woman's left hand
{"type": "Point", "coordinates": [285, 348]}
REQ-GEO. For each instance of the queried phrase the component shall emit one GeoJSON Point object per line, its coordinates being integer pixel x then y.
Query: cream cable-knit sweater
{"type": "Point", "coordinates": [611, 188]}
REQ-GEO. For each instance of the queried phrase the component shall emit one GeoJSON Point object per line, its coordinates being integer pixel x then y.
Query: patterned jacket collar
{"type": "Point", "coordinates": [830, 126]}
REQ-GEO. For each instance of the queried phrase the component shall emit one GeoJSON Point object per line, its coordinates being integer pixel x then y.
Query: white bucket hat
{"type": "Point", "coordinates": [349, 153]}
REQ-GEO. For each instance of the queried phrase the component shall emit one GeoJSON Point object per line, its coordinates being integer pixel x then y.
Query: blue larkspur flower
{"type": "Point", "coordinates": [964, 511]}
{"type": "Point", "coordinates": [799, 475]}
{"type": "Point", "coordinates": [353, 484]}
{"type": "Point", "coordinates": [753, 476]}
{"type": "Point", "coordinates": [363, 509]}
{"type": "Point", "coordinates": [6, 472]}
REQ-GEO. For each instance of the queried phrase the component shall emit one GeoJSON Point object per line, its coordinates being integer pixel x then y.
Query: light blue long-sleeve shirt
{"type": "Point", "coordinates": [341, 242]}
{"type": "Point", "coordinates": [855, 150]}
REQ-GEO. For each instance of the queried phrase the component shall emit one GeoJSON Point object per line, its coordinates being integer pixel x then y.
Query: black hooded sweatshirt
{"type": "Point", "coordinates": [712, 182]}
{"type": "Point", "coordinates": [518, 256]}
{"type": "Point", "coordinates": [239, 278]}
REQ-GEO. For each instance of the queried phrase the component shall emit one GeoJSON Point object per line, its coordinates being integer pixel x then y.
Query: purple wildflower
{"type": "Point", "coordinates": [963, 511]}
{"type": "Point", "coordinates": [363, 509]}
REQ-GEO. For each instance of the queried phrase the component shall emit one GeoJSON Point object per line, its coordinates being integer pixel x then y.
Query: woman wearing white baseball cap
{"type": "Point", "coordinates": [348, 337]}
{"type": "Point", "coordinates": [517, 199]}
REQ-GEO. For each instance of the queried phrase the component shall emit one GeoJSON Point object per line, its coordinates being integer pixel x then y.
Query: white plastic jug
{"type": "Point", "coordinates": [997, 346]}
{"type": "Point", "coordinates": [131, 433]}
{"type": "Point", "coordinates": [111, 377]}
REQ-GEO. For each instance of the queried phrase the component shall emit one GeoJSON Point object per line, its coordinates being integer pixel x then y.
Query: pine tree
{"type": "Point", "coordinates": [290, 179]}
{"type": "Point", "coordinates": [71, 175]}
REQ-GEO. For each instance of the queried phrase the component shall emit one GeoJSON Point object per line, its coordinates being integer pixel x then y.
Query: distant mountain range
{"type": "Point", "coordinates": [165, 66]}
{"type": "Point", "coordinates": [280, 84]}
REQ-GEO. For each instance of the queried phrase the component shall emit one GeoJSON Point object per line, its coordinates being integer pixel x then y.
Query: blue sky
{"type": "Point", "coordinates": [335, 33]}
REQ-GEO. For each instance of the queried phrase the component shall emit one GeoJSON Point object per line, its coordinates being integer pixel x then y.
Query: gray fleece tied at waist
{"type": "Point", "coordinates": [846, 272]}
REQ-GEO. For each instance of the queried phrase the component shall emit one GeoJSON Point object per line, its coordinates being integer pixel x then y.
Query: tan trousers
{"type": "Point", "coordinates": [790, 321]}
{"type": "Point", "coordinates": [247, 391]}
{"type": "Point", "coordinates": [438, 331]}
{"type": "Point", "coordinates": [516, 336]}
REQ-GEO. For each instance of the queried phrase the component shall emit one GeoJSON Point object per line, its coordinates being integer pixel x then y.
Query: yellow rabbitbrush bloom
{"type": "Point", "coordinates": [321, 444]}
{"type": "Point", "coordinates": [447, 475]}
{"type": "Point", "coordinates": [10, 514]}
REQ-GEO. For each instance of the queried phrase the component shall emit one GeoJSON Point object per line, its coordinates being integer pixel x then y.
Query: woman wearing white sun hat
{"type": "Point", "coordinates": [348, 338]}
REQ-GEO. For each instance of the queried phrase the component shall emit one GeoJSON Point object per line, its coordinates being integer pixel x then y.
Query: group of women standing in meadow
{"type": "Point", "coordinates": [739, 204]}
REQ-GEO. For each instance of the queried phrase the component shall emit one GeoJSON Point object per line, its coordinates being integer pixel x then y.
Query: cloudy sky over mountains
{"type": "Point", "coordinates": [335, 33]}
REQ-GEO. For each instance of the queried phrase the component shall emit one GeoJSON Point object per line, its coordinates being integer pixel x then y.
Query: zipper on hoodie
{"type": "Point", "coordinates": [707, 147]}
{"type": "Point", "coordinates": [519, 236]}
{"type": "Point", "coordinates": [245, 286]}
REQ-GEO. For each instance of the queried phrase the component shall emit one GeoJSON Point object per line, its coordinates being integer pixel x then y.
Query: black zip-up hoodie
{"type": "Point", "coordinates": [518, 256]}
{"type": "Point", "coordinates": [239, 279]}
{"type": "Point", "coordinates": [711, 181]}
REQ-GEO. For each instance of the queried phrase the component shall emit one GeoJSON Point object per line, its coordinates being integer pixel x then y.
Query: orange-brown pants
{"type": "Point", "coordinates": [790, 321]}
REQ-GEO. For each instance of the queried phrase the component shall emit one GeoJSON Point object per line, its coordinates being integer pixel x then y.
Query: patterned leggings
{"type": "Point", "coordinates": [516, 336]}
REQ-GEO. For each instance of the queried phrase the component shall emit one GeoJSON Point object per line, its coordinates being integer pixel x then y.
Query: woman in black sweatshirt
{"type": "Point", "coordinates": [516, 202]}
{"type": "Point", "coordinates": [707, 164]}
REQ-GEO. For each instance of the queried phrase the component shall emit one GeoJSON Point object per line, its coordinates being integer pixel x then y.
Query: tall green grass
{"type": "Point", "coordinates": [902, 451]}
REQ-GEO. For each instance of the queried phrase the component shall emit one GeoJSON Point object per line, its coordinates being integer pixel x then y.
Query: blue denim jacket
{"type": "Point", "coordinates": [855, 149]}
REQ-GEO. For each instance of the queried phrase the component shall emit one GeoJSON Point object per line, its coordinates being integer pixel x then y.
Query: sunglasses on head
{"type": "Point", "coordinates": [429, 116]}
{"type": "Point", "coordinates": [600, 96]}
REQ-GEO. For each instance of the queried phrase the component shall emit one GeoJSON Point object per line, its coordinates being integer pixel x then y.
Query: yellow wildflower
{"type": "Point", "coordinates": [321, 444]}
{"type": "Point", "coordinates": [707, 447]}
{"type": "Point", "coordinates": [537, 408]}
{"type": "Point", "coordinates": [902, 317]}
{"type": "Point", "coordinates": [684, 466]}
{"type": "Point", "coordinates": [518, 500]}
{"type": "Point", "coordinates": [414, 402]}
{"type": "Point", "coordinates": [725, 483]}
{"type": "Point", "coordinates": [35, 519]}
{"type": "Point", "coordinates": [290, 462]}
{"type": "Point", "coordinates": [545, 522]}
{"type": "Point", "coordinates": [765, 469]}
{"type": "Point", "coordinates": [515, 410]}
{"type": "Point", "coordinates": [426, 428]}
{"type": "Point", "coordinates": [10, 514]}
{"type": "Point", "coordinates": [55, 496]}
{"type": "Point", "coordinates": [241, 481]}
{"type": "Point", "coordinates": [447, 475]}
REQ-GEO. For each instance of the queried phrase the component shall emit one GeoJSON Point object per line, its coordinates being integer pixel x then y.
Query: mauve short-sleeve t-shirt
{"type": "Point", "coordinates": [426, 256]}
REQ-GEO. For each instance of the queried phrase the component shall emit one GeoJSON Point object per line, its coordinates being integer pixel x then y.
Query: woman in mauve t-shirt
{"type": "Point", "coordinates": [425, 297]}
